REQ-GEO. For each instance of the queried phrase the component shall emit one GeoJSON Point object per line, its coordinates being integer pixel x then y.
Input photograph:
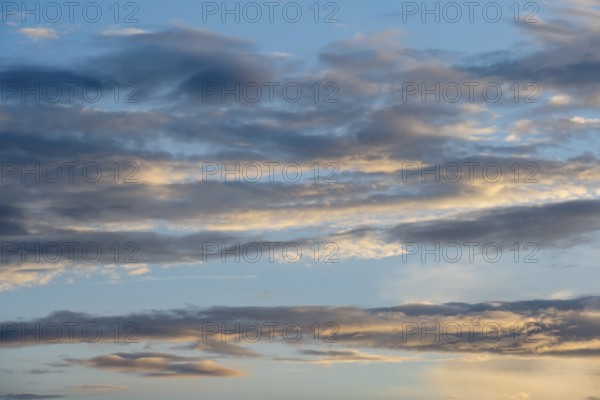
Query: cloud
{"type": "Point", "coordinates": [369, 135]}
{"type": "Point", "coordinates": [39, 33]}
{"type": "Point", "coordinates": [29, 396]}
{"type": "Point", "coordinates": [513, 378]}
{"type": "Point", "coordinates": [558, 328]}
{"type": "Point", "coordinates": [349, 356]}
{"type": "Point", "coordinates": [158, 365]}
{"type": "Point", "coordinates": [96, 388]}
{"type": "Point", "coordinates": [114, 31]}
{"type": "Point", "coordinates": [547, 224]}
{"type": "Point", "coordinates": [224, 349]}
{"type": "Point", "coordinates": [38, 371]}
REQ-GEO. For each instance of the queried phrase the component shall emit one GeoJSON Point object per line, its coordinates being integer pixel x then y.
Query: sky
{"type": "Point", "coordinates": [294, 199]}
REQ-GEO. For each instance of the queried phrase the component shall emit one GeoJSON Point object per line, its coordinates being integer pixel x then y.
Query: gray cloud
{"type": "Point", "coordinates": [545, 327]}
{"type": "Point", "coordinates": [559, 224]}
{"type": "Point", "coordinates": [158, 365]}
{"type": "Point", "coordinates": [370, 125]}
{"type": "Point", "coordinates": [29, 396]}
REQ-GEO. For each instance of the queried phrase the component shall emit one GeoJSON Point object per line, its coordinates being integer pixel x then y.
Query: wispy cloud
{"type": "Point", "coordinates": [159, 365]}
{"type": "Point", "coordinates": [39, 33]}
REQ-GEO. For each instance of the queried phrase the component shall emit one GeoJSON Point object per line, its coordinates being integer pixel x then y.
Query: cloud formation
{"type": "Point", "coordinates": [535, 327]}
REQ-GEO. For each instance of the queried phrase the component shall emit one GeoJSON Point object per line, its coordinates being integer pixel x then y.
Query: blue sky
{"type": "Point", "coordinates": [447, 174]}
